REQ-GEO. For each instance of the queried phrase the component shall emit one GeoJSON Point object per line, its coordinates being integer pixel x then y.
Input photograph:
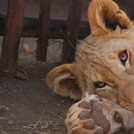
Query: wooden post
{"type": "Point", "coordinates": [44, 20]}
{"type": "Point", "coordinates": [11, 40]}
{"type": "Point", "coordinates": [73, 24]}
{"type": "Point", "coordinates": [130, 9]}
{"type": "Point", "coordinates": [116, 1]}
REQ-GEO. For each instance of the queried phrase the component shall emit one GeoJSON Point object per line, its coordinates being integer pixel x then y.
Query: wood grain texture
{"type": "Point", "coordinates": [73, 25]}
{"type": "Point", "coordinates": [12, 33]}
{"type": "Point", "coordinates": [44, 20]}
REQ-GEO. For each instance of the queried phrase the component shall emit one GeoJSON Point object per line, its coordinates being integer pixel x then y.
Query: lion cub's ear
{"type": "Point", "coordinates": [105, 15]}
{"type": "Point", "coordinates": [63, 81]}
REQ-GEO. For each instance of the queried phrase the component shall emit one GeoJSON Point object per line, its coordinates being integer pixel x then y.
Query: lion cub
{"type": "Point", "coordinates": [104, 66]}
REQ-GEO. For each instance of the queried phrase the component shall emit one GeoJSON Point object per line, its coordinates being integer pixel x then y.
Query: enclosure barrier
{"type": "Point", "coordinates": [14, 25]}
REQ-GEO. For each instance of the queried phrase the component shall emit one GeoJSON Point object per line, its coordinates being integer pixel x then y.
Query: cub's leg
{"type": "Point", "coordinates": [94, 115]}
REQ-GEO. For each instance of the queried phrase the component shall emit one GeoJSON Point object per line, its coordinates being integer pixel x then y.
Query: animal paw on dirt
{"type": "Point", "coordinates": [94, 115]}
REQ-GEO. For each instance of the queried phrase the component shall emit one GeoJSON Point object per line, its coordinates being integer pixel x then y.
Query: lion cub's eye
{"type": "Point", "coordinates": [100, 84]}
{"type": "Point", "coordinates": [123, 57]}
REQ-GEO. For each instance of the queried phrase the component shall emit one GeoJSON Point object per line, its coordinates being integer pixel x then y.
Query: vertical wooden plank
{"type": "Point", "coordinates": [44, 20]}
{"type": "Point", "coordinates": [115, 1]}
{"type": "Point", "coordinates": [130, 9]}
{"type": "Point", "coordinates": [11, 40]}
{"type": "Point", "coordinates": [73, 24]}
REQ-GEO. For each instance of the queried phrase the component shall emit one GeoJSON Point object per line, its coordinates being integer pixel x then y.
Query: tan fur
{"type": "Point", "coordinates": [97, 57]}
{"type": "Point", "coordinates": [61, 76]}
{"type": "Point", "coordinates": [106, 13]}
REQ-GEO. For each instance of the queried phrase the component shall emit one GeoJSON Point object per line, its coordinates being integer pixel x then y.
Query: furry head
{"type": "Point", "coordinates": [104, 63]}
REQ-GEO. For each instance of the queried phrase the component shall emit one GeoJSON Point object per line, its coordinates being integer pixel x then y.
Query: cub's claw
{"type": "Point", "coordinates": [93, 115]}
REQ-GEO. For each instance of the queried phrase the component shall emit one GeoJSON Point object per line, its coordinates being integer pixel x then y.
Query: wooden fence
{"type": "Point", "coordinates": [14, 25]}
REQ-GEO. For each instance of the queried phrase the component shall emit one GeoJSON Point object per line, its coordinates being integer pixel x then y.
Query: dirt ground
{"type": "Point", "coordinates": [29, 106]}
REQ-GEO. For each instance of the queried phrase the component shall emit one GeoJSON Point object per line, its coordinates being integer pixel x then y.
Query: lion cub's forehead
{"type": "Point", "coordinates": [116, 45]}
{"type": "Point", "coordinates": [100, 47]}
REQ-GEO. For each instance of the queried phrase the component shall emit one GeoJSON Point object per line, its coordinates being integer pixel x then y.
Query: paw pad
{"type": "Point", "coordinates": [89, 125]}
{"type": "Point", "coordinates": [118, 117]}
{"type": "Point", "coordinates": [84, 115]}
{"type": "Point", "coordinates": [99, 131]}
{"type": "Point", "coordinates": [84, 105]}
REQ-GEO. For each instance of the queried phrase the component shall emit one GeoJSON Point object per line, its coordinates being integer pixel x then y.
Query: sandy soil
{"type": "Point", "coordinates": [28, 106]}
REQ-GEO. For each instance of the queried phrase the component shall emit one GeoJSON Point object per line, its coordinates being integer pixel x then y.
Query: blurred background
{"type": "Point", "coordinates": [59, 8]}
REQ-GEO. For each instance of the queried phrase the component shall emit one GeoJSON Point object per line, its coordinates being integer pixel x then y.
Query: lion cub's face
{"type": "Point", "coordinates": [104, 61]}
{"type": "Point", "coordinates": [114, 75]}
{"type": "Point", "coordinates": [119, 57]}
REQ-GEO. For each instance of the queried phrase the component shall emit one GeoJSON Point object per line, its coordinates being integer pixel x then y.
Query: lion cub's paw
{"type": "Point", "coordinates": [93, 115]}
